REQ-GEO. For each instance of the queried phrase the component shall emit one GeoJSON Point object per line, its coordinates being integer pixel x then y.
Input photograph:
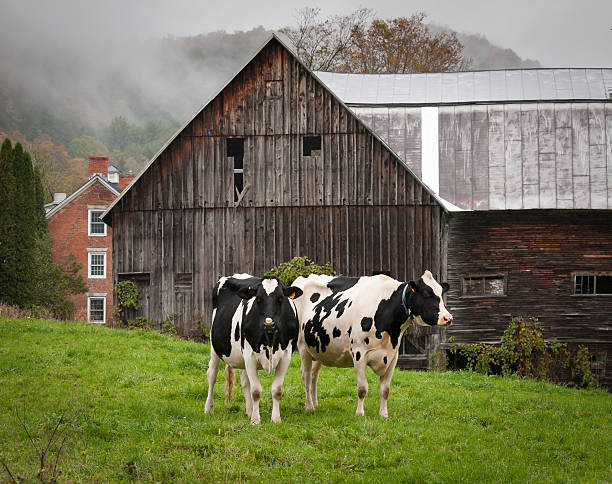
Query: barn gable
{"type": "Point", "coordinates": [272, 104]}
{"type": "Point", "coordinates": [312, 181]}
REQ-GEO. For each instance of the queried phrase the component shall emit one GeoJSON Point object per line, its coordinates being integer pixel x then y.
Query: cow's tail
{"type": "Point", "coordinates": [230, 380]}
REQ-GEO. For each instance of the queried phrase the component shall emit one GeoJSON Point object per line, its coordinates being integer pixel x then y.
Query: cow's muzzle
{"type": "Point", "coordinates": [269, 326]}
{"type": "Point", "coordinates": [445, 319]}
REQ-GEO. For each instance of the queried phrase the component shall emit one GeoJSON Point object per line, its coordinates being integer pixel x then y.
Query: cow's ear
{"type": "Point", "coordinates": [413, 286]}
{"type": "Point", "coordinates": [445, 287]}
{"type": "Point", "coordinates": [246, 292]}
{"type": "Point", "coordinates": [292, 292]}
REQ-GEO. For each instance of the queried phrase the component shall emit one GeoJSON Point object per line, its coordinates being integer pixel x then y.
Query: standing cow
{"type": "Point", "coordinates": [254, 326]}
{"type": "Point", "coordinates": [359, 322]}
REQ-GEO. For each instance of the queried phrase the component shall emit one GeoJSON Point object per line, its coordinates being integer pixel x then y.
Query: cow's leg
{"type": "Point", "coordinates": [277, 386]}
{"type": "Point", "coordinates": [246, 389]}
{"type": "Point", "coordinates": [314, 378]}
{"type": "Point", "coordinates": [362, 383]}
{"type": "Point", "coordinates": [306, 369]}
{"type": "Point", "coordinates": [211, 373]}
{"type": "Point", "coordinates": [385, 384]}
{"type": "Point", "coordinates": [255, 386]}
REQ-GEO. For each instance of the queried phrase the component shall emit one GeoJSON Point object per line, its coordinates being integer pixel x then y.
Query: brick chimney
{"type": "Point", "coordinates": [125, 180]}
{"type": "Point", "coordinates": [98, 164]}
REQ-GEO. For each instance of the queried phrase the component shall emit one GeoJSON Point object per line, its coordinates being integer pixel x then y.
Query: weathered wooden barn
{"type": "Point", "coordinates": [345, 168]}
{"type": "Point", "coordinates": [274, 166]}
{"type": "Point", "coordinates": [528, 155]}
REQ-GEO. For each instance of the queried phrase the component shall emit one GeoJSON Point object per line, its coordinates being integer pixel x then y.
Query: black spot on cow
{"type": "Point", "coordinates": [385, 360]}
{"type": "Point", "coordinates": [390, 316]}
{"type": "Point", "coordinates": [366, 340]}
{"type": "Point", "coordinates": [348, 331]}
{"type": "Point", "coordinates": [315, 334]}
{"type": "Point", "coordinates": [336, 333]}
{"type": "Point", "coordinates": [267, 353]}
{"type": "Point", "coordinates": [366, 324]}
{"type": "Point", "coordinates": [315, 297]}
{"type": "Point", "coordinates": [358, 356]}
{"type": "Point", "coordinates": [340, 307]}
{"type": "Point", "coordinates": [339, 284]}
{"type": "Point", "coordinates": [237, 333]}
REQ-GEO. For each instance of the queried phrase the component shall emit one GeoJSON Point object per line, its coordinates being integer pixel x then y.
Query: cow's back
{"type": "Point", "coordinates": [333, 309]}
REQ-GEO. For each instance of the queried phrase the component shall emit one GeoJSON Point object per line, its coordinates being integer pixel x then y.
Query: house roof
{"type": "Point", "coordinates": [511, 85]}
{"type": "Point", "coordinates": [94, 179]}
{"type": "Point", "coordinates": [106, 215]}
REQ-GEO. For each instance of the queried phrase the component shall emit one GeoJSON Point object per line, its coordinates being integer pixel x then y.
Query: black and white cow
{"type": "Point", "coordinates": [254, 326]}
{"type": "Point", "coordinates": [359, 322]}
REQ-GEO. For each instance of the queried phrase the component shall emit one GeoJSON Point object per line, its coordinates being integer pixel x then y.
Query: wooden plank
{"type": "Point", "coordinates": [187, 173]}
{"type": "Point", "coordinates": [609, 151]}
{"type": "Point", "coordinates": [529, 155]}
{"type": "Point", "coordinates": [546, 128]}
{"type": "Point", "coordinates": [512, 156]}
{"type": "Point", "coordinates": [580, 137]}
{"type": "Point", "coordinates": [377, 170]}
{"type": "Point", "coordinates": [598, 177]}
{"type": "Point", "coordinates": [480, 158]}
{"type": "Point", "coordinates": [497, 164]}
{"type": "Point", "coordinates": [270, 173]}
{"type": "Point", "coordinates": [412, 140]}
{"type": "Point", "coordinates": [565, 194]}
{"type": "Point", "coordinates": [463, 179]}
{"type": "Point", "coordinates": [548, 184]}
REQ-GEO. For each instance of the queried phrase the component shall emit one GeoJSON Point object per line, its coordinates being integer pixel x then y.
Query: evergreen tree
{"type": "Point", "coordinates": [7, 223]}
{"type": "Point", "coordinates": [28, 275]}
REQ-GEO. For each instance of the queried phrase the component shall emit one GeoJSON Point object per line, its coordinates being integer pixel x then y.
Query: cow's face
{"type": "Point", "coordinates": [270, 303]}
{"type": "Point", "coordinates": [426, 304]}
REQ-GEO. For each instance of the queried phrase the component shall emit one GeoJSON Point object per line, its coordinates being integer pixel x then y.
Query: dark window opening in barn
{"type": "Point", "coordinates": [312, 145]}
{"type": "Point", "coordinates": [480, 286]}
{"type": "Point", "coordinates": [598, 364]}
{"type": "Point", "coordinates": [235, 150]}
{"type": "Point", "coordinates": [141, 279]}
{"type": "Point", "coordinates": [593, 284]}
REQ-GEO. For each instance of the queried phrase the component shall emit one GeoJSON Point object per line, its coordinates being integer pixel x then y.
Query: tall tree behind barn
{"type": "Point", "coordinates": [274, 166]}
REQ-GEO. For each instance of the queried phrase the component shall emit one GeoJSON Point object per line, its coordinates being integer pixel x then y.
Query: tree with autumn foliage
{"type": "Point", "coordinates": [360, 43]}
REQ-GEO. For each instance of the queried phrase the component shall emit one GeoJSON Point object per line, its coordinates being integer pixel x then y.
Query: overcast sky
{"type": "Point", "coordinates": [558, 33]}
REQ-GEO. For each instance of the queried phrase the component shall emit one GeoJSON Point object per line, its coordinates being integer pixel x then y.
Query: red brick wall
{"type": "Point", "coordinates": [69, 230]}
{"type": "Point", "coordinates": [125, 180]}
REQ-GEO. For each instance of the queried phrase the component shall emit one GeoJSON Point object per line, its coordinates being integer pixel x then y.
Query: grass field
{"type": "Point", "coordinates": [139, 397]}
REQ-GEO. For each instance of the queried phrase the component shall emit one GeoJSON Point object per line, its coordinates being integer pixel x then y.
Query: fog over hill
{"type": "Point", "coordinates": [66, 85]}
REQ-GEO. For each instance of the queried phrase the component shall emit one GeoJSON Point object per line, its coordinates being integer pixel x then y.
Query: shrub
{"type": "Point", "coordinates": [524, 352]}
{"type": "Point", "coordinates": [126, 293]}
{"type": "Point", "coordinates": [287, 272]}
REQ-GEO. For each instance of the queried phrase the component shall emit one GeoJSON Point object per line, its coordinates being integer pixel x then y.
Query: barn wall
{"type": "Point", "coordinates": [511, 156]}
{"type": "Point", "coordinates": [186, 251]}
{"type": "Point", "coordinates": [537, 250]}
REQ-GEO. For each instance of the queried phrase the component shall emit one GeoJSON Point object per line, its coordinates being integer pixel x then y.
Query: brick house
{"type": "Point", "coordinates": [76, 228]}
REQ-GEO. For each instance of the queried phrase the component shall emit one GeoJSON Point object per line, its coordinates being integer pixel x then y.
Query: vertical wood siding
{"type": "Point", "coordinates": [354, 205]}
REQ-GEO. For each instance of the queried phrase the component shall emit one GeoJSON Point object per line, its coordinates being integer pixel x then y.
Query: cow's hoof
{"type": "Point", "coordinates": [308, 407]}
{"type": "Point", "coordinates": [359, 413]}
{"type": "Point", "coordinates": [276, 419]}
{"type": "Point", "coordinates": [255, 421]}
{"type": "Point", "coordinates": [383, 414]}
{"type": "Point", "coordinates": [208, 409]}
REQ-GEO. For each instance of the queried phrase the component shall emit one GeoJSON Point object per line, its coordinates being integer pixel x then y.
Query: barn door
{"type": "Point", "coordinates": [419, 345]}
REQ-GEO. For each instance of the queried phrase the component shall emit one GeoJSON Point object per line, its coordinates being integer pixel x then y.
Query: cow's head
{"type": "Point", "coordinates": [424, 300]}
{"type": "Point", "coordinates": [270, 306]}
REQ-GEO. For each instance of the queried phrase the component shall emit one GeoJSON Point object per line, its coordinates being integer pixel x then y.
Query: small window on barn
{"type": "Point", "coordinates": [235, 150]}
{"type": "Point", "coordinates": [598, 364]}
{"type": "Point", "coordinates": [312, 145]}
{"type": "Point", "coordinates": [483, 286]}
{"type": "Point", "coordinates": [593, 284]}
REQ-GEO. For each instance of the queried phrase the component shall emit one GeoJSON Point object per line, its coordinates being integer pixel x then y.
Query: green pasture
{"type": "Point", "coordinates": [134, 401]}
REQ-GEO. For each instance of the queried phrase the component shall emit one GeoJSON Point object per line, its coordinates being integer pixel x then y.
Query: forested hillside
{"type": "Point", "coordinates": [65, 104]}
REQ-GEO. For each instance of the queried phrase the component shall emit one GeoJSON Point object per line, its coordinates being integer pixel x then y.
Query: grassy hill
{"type": "Point", "coordinates": [137, 400]}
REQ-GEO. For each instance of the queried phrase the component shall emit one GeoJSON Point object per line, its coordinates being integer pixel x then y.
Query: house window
{"type": "Point", "coordinates": [235, 150]}
{"type": "Point", "coordinates": [96, 309]}
{"type": "Point", "coordinates": [483, 286]}
{"type": "Point", "coordinates": [592, 284]}
{"type": "Point", "coordinates": [311, 145]}
{"type": "Point", "coordinates": [96, 226]}
{"type": "Point", "coordinates": [96, 265]}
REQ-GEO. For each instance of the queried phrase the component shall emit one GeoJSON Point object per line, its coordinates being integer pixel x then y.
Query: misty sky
{"type": "Point", "coordinates": [558, 33]}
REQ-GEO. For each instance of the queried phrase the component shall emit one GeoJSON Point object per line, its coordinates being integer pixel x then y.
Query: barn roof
{"type": "Point", "coordinates": [497, 86]}
{"type": "Point", "coordinates": [106, 216]}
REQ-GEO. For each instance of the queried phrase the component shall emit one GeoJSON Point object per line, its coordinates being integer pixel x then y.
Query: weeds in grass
{"type": "Point", "coordinates": [50, 447]}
